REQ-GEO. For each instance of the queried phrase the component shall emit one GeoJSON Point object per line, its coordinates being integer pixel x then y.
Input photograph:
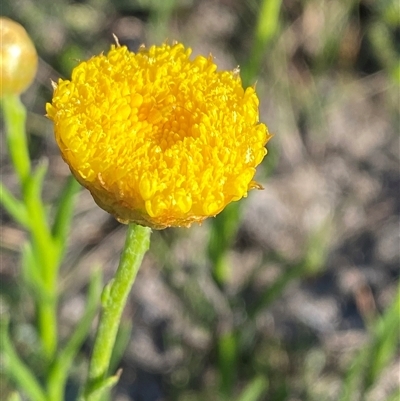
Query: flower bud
{"type": "Point", "coordinates": [18, 58]}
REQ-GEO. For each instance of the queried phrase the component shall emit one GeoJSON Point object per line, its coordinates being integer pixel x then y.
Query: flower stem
{"type": "Point", "coordinates": [114, 299]}
{"type": "Point", "coordinates": [14, 118]}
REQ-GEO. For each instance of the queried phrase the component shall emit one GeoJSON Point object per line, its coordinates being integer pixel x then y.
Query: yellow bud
{"type": "Point", "coordinates": [18, 58]}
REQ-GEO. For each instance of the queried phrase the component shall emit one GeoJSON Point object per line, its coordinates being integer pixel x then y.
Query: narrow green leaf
{"type": "Point", "coordinates": [16, 368]}
{"type": "Point", "coordinates": [35, 184]}
{"type": "Point", "coordinates": [121, 342]}
{"type": "Point", "coordinates": [370, 361]}
{"type": "Point", "coordinates": [62, 366]}
{"type": "Point", "coordinates": [64, 212]}
{"type": "Point", "coordinates": [266, 28]}
{"type": "Point", "coordinates": [255, 389]}
{"type": "Point", "coordinates": [30, 271]}
{"type": "Point", "coordinates": [42, 241]}
{"type": "Point", "coordinates": [227, 361]}
{"type": "Point", "coordinates": [385, 341]}
{"type": "Point", "coordinates": [13, 206]}
{"type": "Point", "coordinates": [101, 388]}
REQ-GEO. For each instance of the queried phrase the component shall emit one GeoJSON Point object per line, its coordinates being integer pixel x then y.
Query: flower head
{"type": "Point", "coordinates": [158, 139]}
{"type": "Point", "coordinates": [18, 58]}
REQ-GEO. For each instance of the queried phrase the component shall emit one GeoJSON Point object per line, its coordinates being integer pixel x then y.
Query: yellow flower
{"type": "Point", "coordinates": [18, 58]}
{"type": "Point", "coordinates": [158, 139]}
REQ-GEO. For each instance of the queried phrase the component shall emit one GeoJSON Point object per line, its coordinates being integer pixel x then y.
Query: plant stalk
{"type": "Point", "coordinates": [114, 298]}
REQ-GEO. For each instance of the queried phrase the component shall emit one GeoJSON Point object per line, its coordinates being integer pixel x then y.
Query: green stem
{"type": "Point", "coordinates": [47, 324]}
{"type": "Point", "coordinates": [42, 241]}
{"type": "Point", "coordinates": [14, 118]}
{"type": "Point", "coordinates": [222, 234]}
{"type": "Point", "coordinates": [45, 253]}
{"type": "Point", "coordinates": [114, 299]}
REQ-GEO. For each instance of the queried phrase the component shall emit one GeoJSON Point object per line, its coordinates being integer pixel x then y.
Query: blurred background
{"type": "Point", "coordinates": [303, 305]}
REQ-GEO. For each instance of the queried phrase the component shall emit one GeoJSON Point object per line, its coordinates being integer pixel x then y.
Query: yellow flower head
{"type": "Point", "coordinates": [18, 58]}
{"type": "Point", "coordinates": [158, 139]}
